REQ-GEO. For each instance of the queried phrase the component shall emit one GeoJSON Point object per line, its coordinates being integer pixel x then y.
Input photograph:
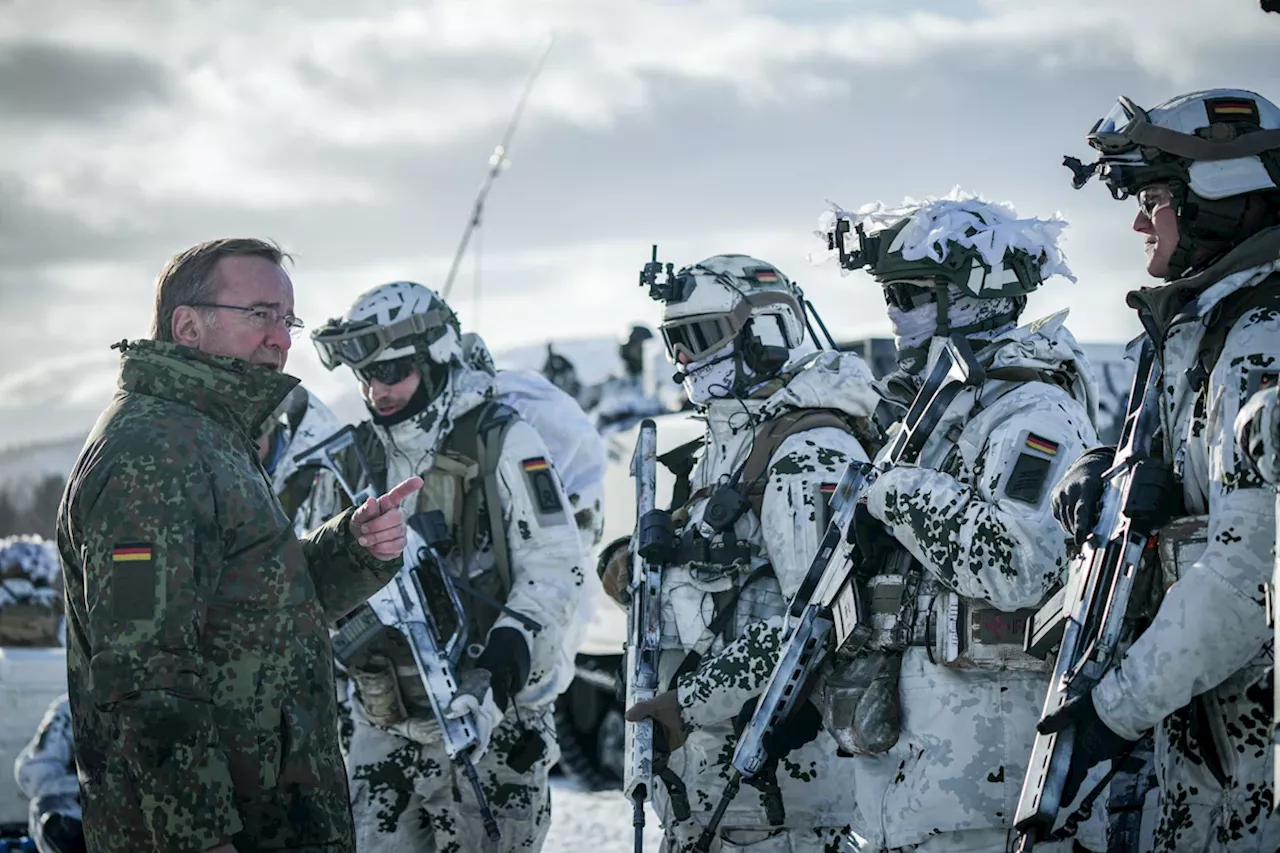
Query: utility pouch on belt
{"type": "Point", "coordinates": [379, 690]}
{"type": "Point", "coordinates": [1180, 543]}
{"type": "Point", "coordinates": [969, 634]}
{"type": "Point", "coordinates": [860, 705]}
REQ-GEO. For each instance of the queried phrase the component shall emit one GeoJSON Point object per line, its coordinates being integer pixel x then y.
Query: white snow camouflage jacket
{"type": "Point", "coordinates": [545, 551]}
{"type": "Point", "coordinates": [966, 734]}
{"type": "Point", "coordinates": [816, 789]}
{"type": "Point", "coordinates": [1197, 673]}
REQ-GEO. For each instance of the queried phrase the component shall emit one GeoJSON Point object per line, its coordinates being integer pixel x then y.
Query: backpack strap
{"type": "Point", "coordinates": [479, 435]}
{"type": "Point", "coordinates": [779, 429]}
{"type": "Point", "coordinates": [1222, 318]}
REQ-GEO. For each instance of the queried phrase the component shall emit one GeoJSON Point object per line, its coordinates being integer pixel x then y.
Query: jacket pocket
{"type": "Point", "coordinates": [270, 727]}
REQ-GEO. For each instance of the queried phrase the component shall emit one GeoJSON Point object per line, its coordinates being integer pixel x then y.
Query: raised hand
{"type": "Point", "coordinates": [378, 524]}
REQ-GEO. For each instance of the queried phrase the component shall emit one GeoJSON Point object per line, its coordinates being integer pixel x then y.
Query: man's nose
{"type": "Point", "coordinates": [1141, 223]}
{"type": "Point", "coordinates": [278, 337]}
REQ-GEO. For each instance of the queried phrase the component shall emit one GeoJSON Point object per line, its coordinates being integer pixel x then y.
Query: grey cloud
{"type": "Point", "coordinates": [47, 81]}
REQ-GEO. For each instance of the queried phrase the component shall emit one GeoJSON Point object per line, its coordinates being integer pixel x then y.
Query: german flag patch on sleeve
{"type": "Point", "coordinates": [1027, 478]}
{"type": "Point", "coordinates": [133, 581]}
{"type": "Point", "coordinates": [543, 491]}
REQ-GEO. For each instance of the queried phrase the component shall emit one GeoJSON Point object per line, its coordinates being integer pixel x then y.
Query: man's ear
{"type": "Point", "coordinates": [188, 326]}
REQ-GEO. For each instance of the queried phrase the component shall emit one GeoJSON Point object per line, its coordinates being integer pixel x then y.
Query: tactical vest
{"type": "Point", "coordinates": [725, 554]}
{"type": "Point", "coordinates": [464, 478]}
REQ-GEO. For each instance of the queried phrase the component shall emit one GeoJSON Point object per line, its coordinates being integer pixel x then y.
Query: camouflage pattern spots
{"type": "Point", "coordinates": [407, 795]}
{"type": "Point", "coordinates": [46, 770]}
{"type": "Point", "coordinates": [1206, 690]}
{"type": "Point", "coordinates": [808, 802]}
{"type": "Point", "coordinates": [208, 714]}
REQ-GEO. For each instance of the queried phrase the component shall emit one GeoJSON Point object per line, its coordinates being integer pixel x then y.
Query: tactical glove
{"type": "Point", "coordinates": [665, 711]}
{"type": "Point", "coordinates": [475, 696]}
{"type": "Point", "coordinates": [1094, 742]}
{"type": "Point", "coordinates": [869, 534]}
{"type": "Point", "coordinates": [506, 658]}
{"type": "Point", "coordinates": [60, 833]}
{"type": "Point", "coordinates": [1077, 499]}
{"type": "Point", "coordinates": [801, 728]}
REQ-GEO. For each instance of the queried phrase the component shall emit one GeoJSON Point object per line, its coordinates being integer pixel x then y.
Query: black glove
{"type": "Point", "coordinates": [1077, 499]}
{"type": "Point", "coordinates": [873, 541]}
{"type": "Point", "coordinates": [1094, 742]}
{"type": "Point", "coordinates": [506, 656]}
{"type": "Point", "coordinates": [61, 834]}
{"type": "Point", "coordinates": [801, 727]}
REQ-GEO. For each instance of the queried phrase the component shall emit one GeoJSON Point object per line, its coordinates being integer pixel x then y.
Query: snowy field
{"type": "Point", "coordinates": [584, 822]}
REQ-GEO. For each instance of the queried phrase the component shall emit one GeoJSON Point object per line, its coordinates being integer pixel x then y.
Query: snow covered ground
{"type": "Point", "coordinates": [585, 822]}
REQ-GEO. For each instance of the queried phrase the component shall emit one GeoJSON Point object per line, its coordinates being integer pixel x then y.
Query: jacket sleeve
{"type": "Point", "coordinates": [987, 532]}
{"type": "Point", "coordinates": [801, 476]}
{"type": "Point", "coordinates": [345, 574]}
{"type": "Point", "coordinates": [545, 551]}
{"type": "Point", "coordinates": [1186, 651]}
{"type": "Point", "coordinates": [47, 766]}
{"type": "Point", "coordinates": [148, 578]}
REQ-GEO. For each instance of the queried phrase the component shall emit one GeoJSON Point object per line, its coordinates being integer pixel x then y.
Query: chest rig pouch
{"type": "Point", "coordinates": [965, 633]}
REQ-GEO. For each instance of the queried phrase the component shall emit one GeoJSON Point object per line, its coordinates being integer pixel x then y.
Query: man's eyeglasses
{"type": "Point", "coordinates": [387, 372]}
{"type": "Point", "coordinates": [260, 316]}
{"type": "Point", "coordinates": [1152, 198]}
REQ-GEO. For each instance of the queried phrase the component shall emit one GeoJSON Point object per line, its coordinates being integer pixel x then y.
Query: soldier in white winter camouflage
{"type": "Point", "coordinates": [783, 422]}
{"type": "Point", "coordinates": [938, 732]}
{"type": "Point", "coordinates": [516, 547]}
{"type": "Point", "coordinates": [1205, 170]}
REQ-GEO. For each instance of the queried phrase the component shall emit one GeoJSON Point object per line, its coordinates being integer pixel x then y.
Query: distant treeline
{"type": "Point", "coordinates": [38, 514]}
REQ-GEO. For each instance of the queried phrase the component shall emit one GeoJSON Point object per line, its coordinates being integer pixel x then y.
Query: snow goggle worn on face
{"type": "Point", "coordinates": [701, 335]}
{"type": "Point", "coordinates": [359, 344]}
{"type": "Point", "coordinates": [387, 372]}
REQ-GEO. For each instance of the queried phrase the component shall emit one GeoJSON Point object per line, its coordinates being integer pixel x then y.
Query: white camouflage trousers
{"type": "Point", "coordinates": [408, 796]}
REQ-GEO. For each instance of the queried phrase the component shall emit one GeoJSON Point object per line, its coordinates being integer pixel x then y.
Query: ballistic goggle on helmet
{"type": "Point", "coordinates": [1219, 142]}
{"type": "Point", "coordinates": [1018, 274]}
{"type": "Point", "coordinates": [709, 303]}
{"type": "Point", "coordinates": [390, 322]}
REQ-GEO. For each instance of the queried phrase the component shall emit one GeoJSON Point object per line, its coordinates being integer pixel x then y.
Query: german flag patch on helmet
{"type": "Point", "coordinates": [1232, 109]}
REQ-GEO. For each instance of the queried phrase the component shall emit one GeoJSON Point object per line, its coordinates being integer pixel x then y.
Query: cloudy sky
{"type": "Point", "coordinates": [357, 135]}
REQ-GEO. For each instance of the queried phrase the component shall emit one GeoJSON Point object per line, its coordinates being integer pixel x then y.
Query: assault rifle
{"type": "Point", "coordinates": [1088, 621]}
{"type": "Point", "coordinates": [431, 619]}
{"type": "Point", "coordinates": [828, 612]}
{"type": "Point", "coordinates": [651, 547]}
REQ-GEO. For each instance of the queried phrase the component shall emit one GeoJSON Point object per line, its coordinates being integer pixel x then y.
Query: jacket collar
{"type": "Point", "coordinates": [233, 392]}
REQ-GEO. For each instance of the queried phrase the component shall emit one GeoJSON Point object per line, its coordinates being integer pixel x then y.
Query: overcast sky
{"type": "Point", "coordinates": [357, 134]}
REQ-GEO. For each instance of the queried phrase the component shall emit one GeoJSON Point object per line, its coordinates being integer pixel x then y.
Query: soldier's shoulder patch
{"type": "Point", "coordinates": [542, 490]}
{"type": "Point", "coordinates": [133, 581]}
{"type": "Point", "coordinates": [1026, 482]}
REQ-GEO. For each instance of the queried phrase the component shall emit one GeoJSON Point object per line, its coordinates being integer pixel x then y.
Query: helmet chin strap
{"type": "Point", "coordinates": [1208, 229]}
